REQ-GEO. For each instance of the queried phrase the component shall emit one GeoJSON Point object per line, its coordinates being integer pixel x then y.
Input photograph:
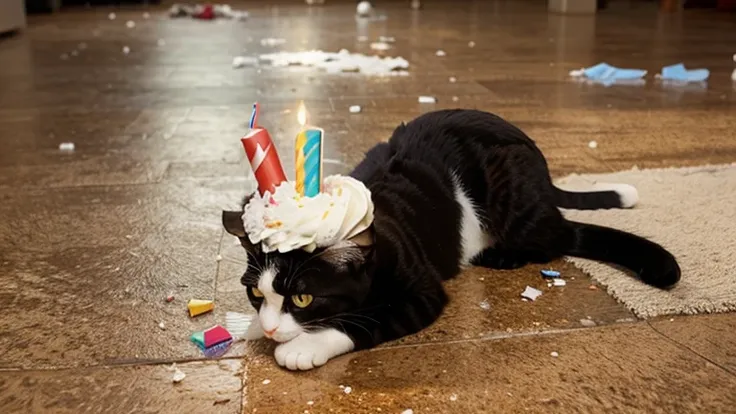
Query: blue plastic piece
{"type": "Point", "coordinates": [217, 350]}
{"type": "Point", "coordinates": [678, 73]}
{"type": "Point", "coordinates": [550, 273]}
{"type": "Point", "coordinates": [604, 71]}
{"type": "Point", "coordinates": [608, 75]}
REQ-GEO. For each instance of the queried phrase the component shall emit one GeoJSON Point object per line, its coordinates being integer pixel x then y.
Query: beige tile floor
{"type": "Point", "coordinates": [93, 241]}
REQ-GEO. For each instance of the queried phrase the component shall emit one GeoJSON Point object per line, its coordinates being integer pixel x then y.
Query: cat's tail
{"type": "Point", "coordinates": [652, 263]}
{"type": "Point", "coordinates": [602, 196]}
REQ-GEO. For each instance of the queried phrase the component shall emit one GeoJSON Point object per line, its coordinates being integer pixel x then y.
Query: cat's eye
{"type": "Point", "coordinates": [257, 293]}
{"type": "Point", "coordinates": [302, 301]}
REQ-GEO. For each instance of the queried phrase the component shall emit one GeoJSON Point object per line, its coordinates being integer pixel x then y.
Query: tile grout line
{"type": "Point", "coordinates": [143, 363]}
{"type": "Point", "coordinates": [217, 265]}
{"type": "Point", "coordinates": [499, 337]}
{"type": "Point", "coordinates": [687, 348]}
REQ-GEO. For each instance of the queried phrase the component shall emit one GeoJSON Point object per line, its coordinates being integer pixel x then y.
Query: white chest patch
{"type": "Point", "coordinates": [473, 236]}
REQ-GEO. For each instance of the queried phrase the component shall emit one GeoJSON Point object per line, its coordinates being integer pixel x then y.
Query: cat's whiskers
{"type": "Point", "coordinates": [250, 279]}
{"type": "Point", "coordinates": [256, 265]}
{"type": "Point", "coordinates": [340, 321]}
{"type": "Point", "coordinates": [359, 316]}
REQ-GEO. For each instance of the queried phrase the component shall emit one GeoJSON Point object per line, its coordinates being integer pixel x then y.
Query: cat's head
{"type": "Point", "coordinates": [298, 291]}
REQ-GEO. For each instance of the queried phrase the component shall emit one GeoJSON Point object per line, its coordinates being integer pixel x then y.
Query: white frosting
{"type": "Point", "coordinates": [285, 221]}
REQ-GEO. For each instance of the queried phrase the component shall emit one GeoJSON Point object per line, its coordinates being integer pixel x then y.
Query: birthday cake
{"type": "Point", "coordinates": [308, 213]}
{"type": "Point", "coordinates": [286, 221]}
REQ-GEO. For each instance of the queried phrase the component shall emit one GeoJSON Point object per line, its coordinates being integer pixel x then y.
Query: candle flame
{"type": "Point", "coordinates": [301, 115]}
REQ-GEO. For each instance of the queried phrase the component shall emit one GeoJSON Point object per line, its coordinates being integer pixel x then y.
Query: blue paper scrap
{"type": "Point", "coordinates": [607, 74]}
{"type": "Point", "coordinates": [550, 273]}
{"type": "Point", "coordinates": [677, 72]}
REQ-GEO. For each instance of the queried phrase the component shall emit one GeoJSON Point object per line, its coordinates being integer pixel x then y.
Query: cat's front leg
{"type": "Point", "coordinates": [313, 349]}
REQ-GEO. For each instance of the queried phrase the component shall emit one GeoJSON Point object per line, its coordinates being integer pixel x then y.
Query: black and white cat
{"type": "Point", "coordinates": [450, 188]}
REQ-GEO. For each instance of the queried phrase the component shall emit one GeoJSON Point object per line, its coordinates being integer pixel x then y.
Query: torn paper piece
{"type": "Point", "coordinates": [554, 354]}
{"type": "Point", "coordinates": [66, 146]}
{"type": "Point", "coordinates": [382, 46]}
{"type": "Point", "coordinates": [199, 306]}
{"type": "Point", "coordinates": [178, 376]}
{"type": "Point", "coordinates": [558, 282]}
{"type": "Point", "coordinates": [485, 305]}
{"type": "Point", "coordinates": [355, 109]}
{"type": "Point", "coordinates": [224, 10]}
{"type": "Point", "coordinates": [440, 53]}
{"type": "Point", "coordinates": [678, 73]}
{"type": "Point", "coordinates": [608, 75]}
{"type": "Point", "coordinates": [427, 99]}
{"type": "Point", "coordinates": [587, 323]}
{"type": "Point", "coordinates": [206, 11]}
{"type": "Point", "coordinates": [270, 41]}
{"type": "Point", "coordinates": [531, 293]}
{"type": "Point", "coordinates": [237, 324]}
{"type": "Point", "coordinates": [343, 61]}
{"type": "Point", "coordinates": [213, 342]}
{"type": "Point", "coordinates": [364, 8]}
{"type": "Point", "coordinates": [241, 61]}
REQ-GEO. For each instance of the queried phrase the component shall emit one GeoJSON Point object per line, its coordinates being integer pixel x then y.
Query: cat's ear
{"type": "Point", "coordinates": [233, 220]}
{"type": "Point", "coordinates": [233, 223]}
{"type": "Point", "coordinates": [354, 251]}
{"type": "Point", "coordinates": [363, 239]}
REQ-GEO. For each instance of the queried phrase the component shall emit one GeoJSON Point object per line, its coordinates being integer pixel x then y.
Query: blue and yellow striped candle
{"type": "Point", "coordinates": [308, 158]}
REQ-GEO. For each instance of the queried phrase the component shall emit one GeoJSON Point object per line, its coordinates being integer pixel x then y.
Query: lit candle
{"type": "Point", "coordinates": [262, 155]}
{"type": "Point", "coordinates": [308, 156]}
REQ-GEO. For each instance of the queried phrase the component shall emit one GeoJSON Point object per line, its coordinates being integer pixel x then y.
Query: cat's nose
{"type": "Point", "coordinates": [270, 333]}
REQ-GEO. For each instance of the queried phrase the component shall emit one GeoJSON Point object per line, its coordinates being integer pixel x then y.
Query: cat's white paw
{"type": "Point", "coordinates": [311, 350]}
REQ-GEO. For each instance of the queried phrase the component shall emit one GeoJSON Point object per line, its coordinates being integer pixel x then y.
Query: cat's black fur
{"type": "Point", "coordinates": [392, 287]}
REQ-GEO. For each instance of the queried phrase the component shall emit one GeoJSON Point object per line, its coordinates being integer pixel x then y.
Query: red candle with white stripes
{"type": "Point", "coordinates": [262, 155]}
